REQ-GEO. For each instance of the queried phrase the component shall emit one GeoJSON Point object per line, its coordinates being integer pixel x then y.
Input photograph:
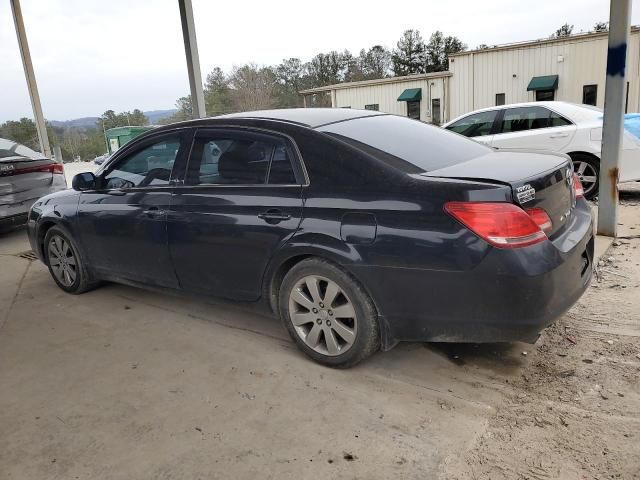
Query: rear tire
{"type": "Point", "coordinates": [65, 264]}
{"type": "Point", "coordinates": [588, 170]}
{"type": "Point", "coordinates": [328, 314]}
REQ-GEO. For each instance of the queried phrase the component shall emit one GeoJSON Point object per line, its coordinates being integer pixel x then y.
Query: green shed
{"type": "Point", "coordinates": [120, 136]}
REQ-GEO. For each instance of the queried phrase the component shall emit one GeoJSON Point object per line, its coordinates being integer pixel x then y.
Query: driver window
{"type": "Point", "coordinates": [150, 166]}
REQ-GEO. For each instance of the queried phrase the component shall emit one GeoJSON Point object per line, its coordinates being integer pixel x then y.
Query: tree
{"type": "Point", "coordinates": [291, 78]}
{"type": "Point", "coordinates": [217, 97]}
{"type": "Point", "coordinates": [482, 46]}
{"type": "Point", "coordinates": [111, 119]}
{"type": "Point", "coordinates": [327, 68]}
{"type": "Point", "coordinates": [374, 63]}
{"type": "Point", "coordinates": [564, 31]}
{"type": "Point", "coordinates": [438, 50]}
{"type": "Point", "coordinates": [601, 27]}
{"type": "Point", "coordinates": [409, 55]}
{"type": "Point", "coordinates": [22, 131]}
{"type": "Point", "coordinates": [253, 87]}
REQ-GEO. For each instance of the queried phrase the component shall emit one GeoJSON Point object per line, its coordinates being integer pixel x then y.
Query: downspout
{"type": "Point", "coordinates": [473, 83]}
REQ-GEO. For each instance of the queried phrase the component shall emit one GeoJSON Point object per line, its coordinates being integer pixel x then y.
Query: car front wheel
{"type": "Point", "coordinates": [328, 314]}
{"type": "Point", "coordinates": [64, 262]}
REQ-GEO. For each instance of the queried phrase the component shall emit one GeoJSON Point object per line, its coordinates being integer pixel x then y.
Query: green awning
{"type": "Point", "coordinates": [547, 82]}
{"type": "Point", "coordinates": [411, 95]}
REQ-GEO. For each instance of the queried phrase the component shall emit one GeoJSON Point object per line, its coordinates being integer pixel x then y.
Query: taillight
{"type": "Point", "coordinates": [502, 225]}
{"type": "Point", "coordinates": [577, 186]}
{"type": "Point", "coordinates": [57, 168]}
{"type": "Point", "coordinates": [540, 217]}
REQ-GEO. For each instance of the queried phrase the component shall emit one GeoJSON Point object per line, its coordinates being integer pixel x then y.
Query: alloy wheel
{"type": "Point", "coordinates": [322, 315]}
{"type": "Point", "coordinates": [587, 175]}
{"type": "Point", "coordinates": [62, 260]}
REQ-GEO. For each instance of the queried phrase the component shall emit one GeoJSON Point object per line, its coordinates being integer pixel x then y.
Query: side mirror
{"type": "Point", "coordinates": [83, 181]}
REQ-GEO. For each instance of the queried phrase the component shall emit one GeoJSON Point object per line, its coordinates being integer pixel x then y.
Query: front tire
{"type": "Point", "coordinates": [65, 264]}
{"type": "Point", "coordinates": [328, 314]}
{"type": "Point", "coordinates": [588, 170]}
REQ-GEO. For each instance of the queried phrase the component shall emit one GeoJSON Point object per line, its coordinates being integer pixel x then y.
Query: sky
{"type": "Point", "coordinates": [93, 55]}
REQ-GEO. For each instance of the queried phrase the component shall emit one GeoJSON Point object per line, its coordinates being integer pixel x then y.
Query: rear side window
{"type": "Point", "coordinates": [530, 118]}
{"type": "Point", "coordinates": [406, 144]}
{"type": "Point", "coordinates": [239, 159]}
{"type": "Point", "coordinates": [475, 125]}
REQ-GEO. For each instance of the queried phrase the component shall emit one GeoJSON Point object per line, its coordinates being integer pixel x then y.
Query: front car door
{"type": "Point", "coordinates": [241, 201]}
{"type": "Point", "coordinates": [478, 126]}
{"type": "Point", "coordinates": [123, 221]}
{"type": "Point", "coordinates": [534, 127]}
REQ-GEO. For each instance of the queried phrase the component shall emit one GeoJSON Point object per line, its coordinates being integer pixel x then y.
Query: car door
{"type": "Point", "coordinates": [123, 221]}
{"type": "Point", "coordinates": [533, 127]}
{"type": "Point", "coordinates": [241, 201]}
{"type": "Point", "coordinates": [478, 126]}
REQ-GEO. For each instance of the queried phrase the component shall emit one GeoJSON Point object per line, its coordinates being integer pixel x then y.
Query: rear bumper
{"type": "Point", "coordinates": [7, 223]}
{"type": "Point", "coordinates": [511, 295]}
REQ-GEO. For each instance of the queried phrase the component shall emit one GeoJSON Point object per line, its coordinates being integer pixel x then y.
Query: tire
{"type": "Point", "coordinates": [587, 166]}
{"type": "Point", "coordinates": [61, 253]}
{"type": "Point", "coordinates": [339, 334]}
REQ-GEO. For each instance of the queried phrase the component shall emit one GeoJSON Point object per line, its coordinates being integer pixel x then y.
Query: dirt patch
{"type": "Point", "coordinates": [575, 411]}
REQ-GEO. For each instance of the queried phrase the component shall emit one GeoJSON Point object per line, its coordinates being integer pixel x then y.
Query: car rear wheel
{"type": "Point", "coordinates": [328, 314]}
{"type": "Point", "coordinates": [64, 262]}
{"type": "Point", "coordinates": [588, 170]}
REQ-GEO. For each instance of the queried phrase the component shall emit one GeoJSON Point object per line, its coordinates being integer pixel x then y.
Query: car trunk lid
{"type": "Point", "coordinates": [536, 179]}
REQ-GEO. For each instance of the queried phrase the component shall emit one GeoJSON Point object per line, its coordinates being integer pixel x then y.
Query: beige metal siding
{"type": "Point", "coordinates": [386, 96]}
{"type": "Point", "coordinates": [479, 76]}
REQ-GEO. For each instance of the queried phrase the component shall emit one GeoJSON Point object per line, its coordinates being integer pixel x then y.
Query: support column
{"type": "Point", "coordinates": [193, 60]}
{"type": "Point", "coordinates": [613, 122]}
{"type": "Point", "coordinates": [38, 117]}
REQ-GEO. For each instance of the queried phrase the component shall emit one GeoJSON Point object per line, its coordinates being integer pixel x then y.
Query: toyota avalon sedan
{"type": "Point", "coordinates": [357, 228]}
{"type": "Point", "coordinates": [25, 176]}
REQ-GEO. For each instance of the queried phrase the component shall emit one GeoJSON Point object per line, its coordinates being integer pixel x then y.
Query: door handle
{"type": "Point", "coordinates": [559, 135]}
{"type": "Point", "coordinates": [274, 216]}
{"type": "Point", "coordinates": [153, 212]}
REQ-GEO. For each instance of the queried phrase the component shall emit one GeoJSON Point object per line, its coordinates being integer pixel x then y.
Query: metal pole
{"type": "Point", "coordinates": [613, 122]}
{"type": "Point", "coordinates": [193, 60]}
{"type": "Point", "coordinates": [31, 78]}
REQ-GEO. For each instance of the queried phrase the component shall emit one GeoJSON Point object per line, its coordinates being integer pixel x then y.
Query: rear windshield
{"type": "Point", "coordinates": [15, 151]}
{"type": "Point", "coordinates": [424, 147]}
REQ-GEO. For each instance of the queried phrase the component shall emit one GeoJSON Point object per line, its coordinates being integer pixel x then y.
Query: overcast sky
{"type": "Point", "coordinates": [94, 55]}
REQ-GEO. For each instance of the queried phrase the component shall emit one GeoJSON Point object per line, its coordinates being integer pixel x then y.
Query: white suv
{"type": "Point", "coordinates": [559, 127]}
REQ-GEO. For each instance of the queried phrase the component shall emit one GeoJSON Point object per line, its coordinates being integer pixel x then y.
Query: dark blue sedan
{"type": "Point", "coordinates": [359, 229]}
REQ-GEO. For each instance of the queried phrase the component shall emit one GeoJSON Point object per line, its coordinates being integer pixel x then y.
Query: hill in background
{"type": "Point", "coordinates": [154, 117]}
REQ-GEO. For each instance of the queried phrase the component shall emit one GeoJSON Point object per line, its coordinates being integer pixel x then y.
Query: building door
{"type": "Point", "coordinates": [435, 111]}
{"type": "Point", "coordinates": [413, 109]}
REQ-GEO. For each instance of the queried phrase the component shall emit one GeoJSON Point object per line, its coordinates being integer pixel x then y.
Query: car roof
{"type": "Point", "coordinates": [310, 117]}
{"type": "Point", "coordinates": [573, 111]}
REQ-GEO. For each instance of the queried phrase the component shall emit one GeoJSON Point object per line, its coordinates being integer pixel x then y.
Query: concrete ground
{"type": "Point", "coordinates": [123, 383]}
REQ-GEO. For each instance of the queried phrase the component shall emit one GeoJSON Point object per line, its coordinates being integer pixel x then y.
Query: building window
{"type": "Point", "coordinates": [499, 99]}
{"type": "Point", "coordinates": [373, 106]}
{"type": "Point", "coordinates": [590, 94]}
{"type": "Point", "coordinates": [413, 110]}
{"type": "Point", "coordinates": [544, 95]}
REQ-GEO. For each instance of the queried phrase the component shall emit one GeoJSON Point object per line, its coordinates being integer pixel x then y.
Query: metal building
{"type": "Point", "coordinates": [570, 68]}
{"type": "Point", "coordinates": [423, 97]}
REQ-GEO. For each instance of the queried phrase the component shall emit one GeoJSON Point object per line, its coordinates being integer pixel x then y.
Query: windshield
{"type": "Point", "coordinates": [424, 147]}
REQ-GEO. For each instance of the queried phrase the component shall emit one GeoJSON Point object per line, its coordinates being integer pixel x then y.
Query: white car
{"type": "Point", "coordinates": [559, 127]}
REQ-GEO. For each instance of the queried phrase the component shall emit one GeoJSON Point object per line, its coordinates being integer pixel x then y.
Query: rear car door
{"type": "Point", "coordinates": [242, 200]}
{"type": "Point", "coordinates": [478, 126]}
{"type": "Point", "coordinates": [123, 221]}
{"type": "Point", "coordinates": [534, 127]}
